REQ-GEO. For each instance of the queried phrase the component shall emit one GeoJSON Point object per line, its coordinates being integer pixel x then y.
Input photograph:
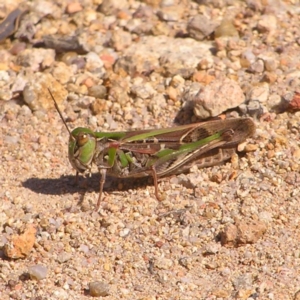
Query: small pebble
{"type": "Point", "coordinates": [98, 91]}
{"type": "Point", "coordinates": [99, 289]}
{"type": "Point", "coordinates": [64, 257]}
{"type": "Point", "coordinates": [226, 28]}
{"type": "Point", "coordinates": [38, 272]}
{"type": "Point", "coordinates": [199, 27]}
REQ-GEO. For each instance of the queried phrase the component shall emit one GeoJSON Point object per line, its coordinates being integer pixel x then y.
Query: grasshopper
{"type": "Point", "coordinates": [155, 152]}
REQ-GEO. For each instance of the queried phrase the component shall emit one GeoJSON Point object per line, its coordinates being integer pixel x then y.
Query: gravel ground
{"type": "Point", "coordinates": [225, 232]}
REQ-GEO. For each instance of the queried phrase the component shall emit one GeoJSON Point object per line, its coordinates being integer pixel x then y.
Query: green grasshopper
{"type": "Point", "coordinates": [155, 152]}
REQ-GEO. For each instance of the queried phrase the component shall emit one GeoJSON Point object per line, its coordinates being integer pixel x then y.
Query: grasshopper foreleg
{"type": "Point", "coordinates": [102, 181]}
{"type": "Point", "coordinates": [154, 176]}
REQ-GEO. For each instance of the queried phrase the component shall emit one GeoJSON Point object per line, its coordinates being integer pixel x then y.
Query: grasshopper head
{"type": "Point", "coordinates": [82, 145]}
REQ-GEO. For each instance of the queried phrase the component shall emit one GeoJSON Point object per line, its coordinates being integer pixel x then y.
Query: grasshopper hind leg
{"type": "Point", "coordinates": [215, 157]}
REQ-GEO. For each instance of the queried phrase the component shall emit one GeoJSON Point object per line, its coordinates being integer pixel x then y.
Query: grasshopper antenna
{"type": "Point", "coordinates": [59, 112]}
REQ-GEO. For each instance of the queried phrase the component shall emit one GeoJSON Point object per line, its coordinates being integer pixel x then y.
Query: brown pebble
{"type": "Point", "coordinates": [243, 232]}
{"type": "Point", "coordinates": [73, 7]}
{"type": "Point", "coordinates": [297, 296]}
{"type": "Point", "coordinates": [108, 60]}
{"type": "Point", "coordinates": [17, 48]}
{"type": "Point", "coordinates": [43, 140]}
{"type": "Point", "coordinates": [293, 178]}
{"type": "Point", "coordinates": [251, 147]}
{"type": "Point", "coordinates": [88, 82]}
{"type": "Point", "coordinates": [234, 161]}
{"type": "Point", "coordinates": [123, 15]}
{"type": "Point", "coordinates": [244, 293]}
{"type": "Point", "coordinates": [98, 106]}
{"type": "Point", "coordinates": [203, 77]}
{"type": "Point", "coordinates": [4, 67]}
{"type": "Point", "coordinates": [159, 244]}
{"type": "Point", "coordinates": [296, 153]}
{"type": "Point", "coordinates": [295, 103]}
{"type": "Point", "coordinates": [221, 293]}
{"type": "Point", "coordinates": [226, 28]}
{"type": "Point", "coordinates": [172, 93]}
{"type": "Point", "coordinates": [271, 153]}
{"type": "Point", "coordinates": [218, 178]}
{"type": "Point", "coordinates": [233, 175]}
{"type": "Point", "coordinates": [269, 77]}
{"type": "Point", "coordinates": [19, 246]}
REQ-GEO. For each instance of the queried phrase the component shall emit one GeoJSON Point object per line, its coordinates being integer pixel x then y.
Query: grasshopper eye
{"type": "Point", "coordinates": [82, 138]}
